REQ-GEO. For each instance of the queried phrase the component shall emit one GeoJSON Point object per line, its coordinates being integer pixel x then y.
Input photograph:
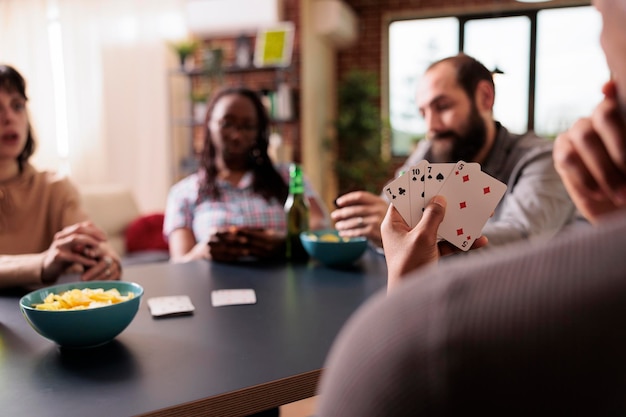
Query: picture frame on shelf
{"type": "Point", "coordinates": [274, 46]}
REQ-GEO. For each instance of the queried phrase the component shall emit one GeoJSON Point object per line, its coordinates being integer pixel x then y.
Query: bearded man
{"type": "Point", "coordinates": [456, 98]}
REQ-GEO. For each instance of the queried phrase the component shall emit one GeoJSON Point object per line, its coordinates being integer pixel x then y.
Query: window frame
{"type": "Point", "coordinates": [463, 16]}
{"type": "Point", "coordinates": [532, 17]}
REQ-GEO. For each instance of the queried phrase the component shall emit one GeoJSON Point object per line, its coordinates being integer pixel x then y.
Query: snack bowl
{"type": "Point", "coordinates": [87, 327]}
{"type": "Point", "coordinates": [331, 249]}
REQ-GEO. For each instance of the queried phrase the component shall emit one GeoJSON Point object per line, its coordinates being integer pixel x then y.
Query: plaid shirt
{"type": "Point", "coordinates": [238, 206]}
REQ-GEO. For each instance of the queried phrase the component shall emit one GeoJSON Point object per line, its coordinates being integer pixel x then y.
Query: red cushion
{"type": "Point", "coordinates": [146, 233]}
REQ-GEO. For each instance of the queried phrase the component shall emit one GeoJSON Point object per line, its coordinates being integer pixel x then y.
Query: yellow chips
{"type": "Point", "coordinates": [82, 299]}
{"type": "Point", "coordinates": [328, 237]}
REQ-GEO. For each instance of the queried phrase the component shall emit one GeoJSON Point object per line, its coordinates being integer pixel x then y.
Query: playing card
{"type": "Point", "coordinates": [434, 177]}
{"type": "Point", "coordinates": [397, 192]}
{"type": "Point", "coordinates": [232, 297]}
{"type": "Point", "coordinates": [174, 305]}
{"type": "Point", "coordinates": [472, 196]}
{"type": "Point", "coordinates": [416, 191]}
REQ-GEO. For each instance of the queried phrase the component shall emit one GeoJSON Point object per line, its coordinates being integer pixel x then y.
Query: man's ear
{"type": "Point", "coordinates": [485, 96]}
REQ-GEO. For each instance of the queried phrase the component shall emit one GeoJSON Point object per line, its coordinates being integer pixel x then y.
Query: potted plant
{"type": "Point", "coordinates": [184, 49]}
{"type": "Point", "coordinates": [359, 163]}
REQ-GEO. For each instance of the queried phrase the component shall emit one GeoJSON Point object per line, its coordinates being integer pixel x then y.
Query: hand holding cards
{"type": "Point", "coordinates": [472, 196]}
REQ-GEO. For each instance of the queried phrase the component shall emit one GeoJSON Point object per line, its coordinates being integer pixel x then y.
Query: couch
{"type": "Point", "coordinates": [137, 237]}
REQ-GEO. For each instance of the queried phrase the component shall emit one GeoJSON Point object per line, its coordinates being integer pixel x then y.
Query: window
{"type": "Point", "coordinates": [412, 47]}
{"type": "Point", "coordinates": [566, 52]}
{"type": "Point", "coordinates": [570, 67]}
{"type": "Point", "coordinates": [508, 54]}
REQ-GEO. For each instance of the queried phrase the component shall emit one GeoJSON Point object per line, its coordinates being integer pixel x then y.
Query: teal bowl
{"type": "Point", "coordinates": [332, 250]}
{"type": "Point", "coordinates": [82, 328]}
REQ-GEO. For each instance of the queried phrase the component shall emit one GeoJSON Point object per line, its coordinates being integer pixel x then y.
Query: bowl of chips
{"type": "Point", "coordinates": [82, 314]}
{"type": "Point", "coordinates": [331, 249]}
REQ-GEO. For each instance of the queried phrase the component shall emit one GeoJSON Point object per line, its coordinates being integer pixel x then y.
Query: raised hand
{"type": "Point", "coordinates": [591, 159]}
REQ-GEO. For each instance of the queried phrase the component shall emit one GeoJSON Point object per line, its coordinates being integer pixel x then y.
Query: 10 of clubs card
{"type": "Point", "coordinates": [472, 196]}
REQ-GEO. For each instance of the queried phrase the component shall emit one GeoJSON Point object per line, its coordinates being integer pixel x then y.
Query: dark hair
{"type": "Point", "coordinates": [469, 72]}
{"type": "Point", "coordinates": [11, 81]}
{"type": "Point", "coordinates": [266, 180]}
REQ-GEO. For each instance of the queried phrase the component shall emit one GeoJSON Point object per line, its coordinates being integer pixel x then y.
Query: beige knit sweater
{"type": "Point", "coordinates": [33, 207]}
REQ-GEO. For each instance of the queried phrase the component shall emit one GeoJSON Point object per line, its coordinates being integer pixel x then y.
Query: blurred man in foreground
{"type": "Point", "coordinates": [522, 330]}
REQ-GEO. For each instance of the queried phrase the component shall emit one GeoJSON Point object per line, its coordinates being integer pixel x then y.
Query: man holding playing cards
{"type": "Point", "coordinates": [519, 331]}
{"type": "Point", "coordinates": [456, 98]}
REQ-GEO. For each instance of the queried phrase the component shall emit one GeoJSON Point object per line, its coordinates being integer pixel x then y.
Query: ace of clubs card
{"type": "Point", "coordinates": [398, 194]}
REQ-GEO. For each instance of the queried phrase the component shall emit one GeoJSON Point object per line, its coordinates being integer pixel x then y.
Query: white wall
{"type": "Point", "coordinates": [104, 65]}
{"type": "Point", "coordinates": [320, 39]}
{"type": "Point", "coordinates": [138, 126]}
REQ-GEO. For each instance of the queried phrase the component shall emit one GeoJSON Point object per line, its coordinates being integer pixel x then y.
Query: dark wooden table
{"type": "Point", "coordinates": [220, 361]}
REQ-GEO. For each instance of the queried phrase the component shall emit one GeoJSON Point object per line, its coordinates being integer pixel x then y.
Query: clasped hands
{"type": "Point", "coordinates": [234, 243]}
{"type": "Point", "coordinates": [81, 246]}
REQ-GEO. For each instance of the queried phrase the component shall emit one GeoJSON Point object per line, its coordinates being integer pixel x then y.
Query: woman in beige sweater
{"type": "Point", "coordinates": [44, 231]}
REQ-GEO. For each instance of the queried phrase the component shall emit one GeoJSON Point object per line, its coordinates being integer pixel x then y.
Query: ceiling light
{"type": "Point", "coordinates": [533, 1]}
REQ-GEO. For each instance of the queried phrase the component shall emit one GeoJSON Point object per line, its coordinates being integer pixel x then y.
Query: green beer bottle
{"type": "Point", "coordinates": [297, 212]}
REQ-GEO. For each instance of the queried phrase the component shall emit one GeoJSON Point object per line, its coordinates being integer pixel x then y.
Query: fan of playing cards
{"type": "Point", "coordinates": [472, 196]}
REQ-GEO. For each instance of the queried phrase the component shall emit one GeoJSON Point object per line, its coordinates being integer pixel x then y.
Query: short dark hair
{"type": "Point", "coordinates": [11, 81]}
{"type": "Point", "coordinates": [469, 72]}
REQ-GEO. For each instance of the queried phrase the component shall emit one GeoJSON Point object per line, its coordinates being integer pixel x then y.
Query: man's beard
{"type": "Point", "coordinates": [465, 146]}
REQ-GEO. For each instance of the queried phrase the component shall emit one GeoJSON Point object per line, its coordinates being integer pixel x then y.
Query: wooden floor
{"type": "Point", "coordinates": [303, 408]}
